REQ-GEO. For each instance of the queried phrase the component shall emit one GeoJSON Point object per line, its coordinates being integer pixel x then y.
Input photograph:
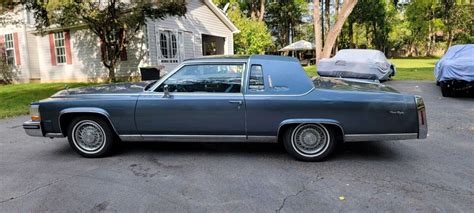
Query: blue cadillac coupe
{"type": "Point", "coordinates": [231, 99]}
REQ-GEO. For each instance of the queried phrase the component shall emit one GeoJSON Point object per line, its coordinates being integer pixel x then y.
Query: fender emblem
{"type": "Point", "coordinates": [396, 112]}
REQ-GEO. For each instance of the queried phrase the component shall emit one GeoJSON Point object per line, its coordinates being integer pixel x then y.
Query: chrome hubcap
{"type": "Point", "coordinates": [89, 136]}
{"type": "Point", "coordinates": [310, 139]}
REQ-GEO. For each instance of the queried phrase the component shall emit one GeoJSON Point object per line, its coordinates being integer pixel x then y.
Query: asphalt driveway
{"type": "Point", "coordinates": [432, 175]}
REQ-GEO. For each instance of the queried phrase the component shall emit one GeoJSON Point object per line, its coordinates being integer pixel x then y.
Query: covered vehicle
{"type": "Point", "coordinates": [357, 63]}
{"type": "Point", "coordinates": [231, 99]}
{"type": "Point", "coordinates": [454, 72]}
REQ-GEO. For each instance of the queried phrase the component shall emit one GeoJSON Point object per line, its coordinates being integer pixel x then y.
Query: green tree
{"type": "Point", "coordinates": [421, 16]}
{"type": "Point", "coordinates": [114, 22]}
{"type": "Point", "coordinates": [372, 16]}
{"type": "Point", "coordinates": [284, 18]}
{"type": "Point", "coordinates": [254, 37]}
{"type": "Point", "coordinates": [456, 17]}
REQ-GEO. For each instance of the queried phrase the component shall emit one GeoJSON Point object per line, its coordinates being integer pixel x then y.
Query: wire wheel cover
{"type": "Point", "coordinates": [310, 139]}
{"type": "Point", "coordinates": [89, 136]}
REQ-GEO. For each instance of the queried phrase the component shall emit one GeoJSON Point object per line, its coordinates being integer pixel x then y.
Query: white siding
{"type": "Point", "coordinates": [86, 65]}
{"type": "Point", "coordinates": [198, 20]}
{"type": "Point", "coordinates": [86, 60]}
{"type": "Point", "coordinates": [32, 49]}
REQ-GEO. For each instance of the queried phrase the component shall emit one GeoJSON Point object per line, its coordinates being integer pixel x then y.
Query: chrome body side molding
{"type": "Point", "coordinates": [379, 137]}
{"type": "Point", "coordinates": [199, 138]}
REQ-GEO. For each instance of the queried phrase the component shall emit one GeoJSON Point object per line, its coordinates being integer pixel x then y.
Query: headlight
{"type": "Point", "coordinates": [34, 113]}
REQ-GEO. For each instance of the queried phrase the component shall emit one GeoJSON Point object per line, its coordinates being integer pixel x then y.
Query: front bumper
{"type": "Point", "coordinates": [33, 128]}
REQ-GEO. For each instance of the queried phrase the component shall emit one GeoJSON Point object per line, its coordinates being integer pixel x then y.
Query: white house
{"type": "Point", "coordinates": [73, 54]}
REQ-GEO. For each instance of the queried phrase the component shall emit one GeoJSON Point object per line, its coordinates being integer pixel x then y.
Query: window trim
{"type": "Point", "coordinates": [153, 89]}
{"type": "Point", "coordinates": [55, 38]}
{"type": "Point", "coordinates": [12, 48]}
{"type": "Point", "coordinates": [169, 46]}
{"type": "Point", "coordinates": [248, 89]}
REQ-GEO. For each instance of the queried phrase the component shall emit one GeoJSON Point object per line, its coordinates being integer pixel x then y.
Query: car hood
{"type": "Point", "coordinates": [117, 88]}
{"type": "Point", "coordinates": [351, 85]}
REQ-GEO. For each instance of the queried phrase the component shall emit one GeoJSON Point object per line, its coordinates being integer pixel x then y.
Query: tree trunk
{"type": "Point", "coordinates": [450, 38]}
{"type": "Point", "coordinates": [346, 10]}
{"type": "Point", "coordinates": [351, 35]}
{"type": "Point", "coordinates": [112, 73]}
{"type": "Point", "coordinates": [336, 13]}
{"type": "Point", "coordinates": [317, 30]}
{"type": "Point", "coordinates": [327, 19]}
{"type": "Point", "coordinates": [428, 52]}
{"type": "Point", "coordinates": [367, 35]}
{"type": "Point", "coordinates": [262, 10]}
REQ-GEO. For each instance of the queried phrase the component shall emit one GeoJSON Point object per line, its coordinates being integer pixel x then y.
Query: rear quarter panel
{"type": "Point", "coordinates": [357, 112]}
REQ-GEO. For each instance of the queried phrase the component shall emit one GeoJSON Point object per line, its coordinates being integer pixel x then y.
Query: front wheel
{"type": "Point", "coordinates": [90, 136]}
{"type": "Point", "coordinates": [309, 142]}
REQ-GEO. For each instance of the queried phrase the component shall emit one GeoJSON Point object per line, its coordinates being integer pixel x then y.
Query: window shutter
{"type": "Point", "coordinates": [67, 41]}
{"type": "Point", "coordinates": [51, 49]}
{"type": "Point", "coordinates": [16, 45]}
{"type": "Point", "coordinates": [2, 47]}
{"type": "Point", "coordinates": [123, 54]}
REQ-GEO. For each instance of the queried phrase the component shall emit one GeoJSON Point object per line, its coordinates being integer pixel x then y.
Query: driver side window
{"type": "Point", "coordinates": [217, 78]}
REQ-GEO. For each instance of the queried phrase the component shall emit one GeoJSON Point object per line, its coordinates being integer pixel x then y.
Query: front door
{"type": "Point", "coordinates": [204, 100]}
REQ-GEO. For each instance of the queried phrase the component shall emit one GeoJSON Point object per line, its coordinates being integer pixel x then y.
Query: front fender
{"type": "Point", "coordinates": [84, 110]}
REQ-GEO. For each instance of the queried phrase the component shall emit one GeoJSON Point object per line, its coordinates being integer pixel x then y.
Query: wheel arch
{"type": "Point", "coordinates": [70, 113]}
{"type": "Point", "coordinates": [330, 123]}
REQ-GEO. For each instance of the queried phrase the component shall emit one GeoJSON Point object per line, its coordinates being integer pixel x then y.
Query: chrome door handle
{"type": "Point", "coordinates": [236, 102]}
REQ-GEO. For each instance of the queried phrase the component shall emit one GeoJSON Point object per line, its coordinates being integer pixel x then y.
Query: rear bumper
{"type": "Point", "coordinates": [33, 128]}
{"type": "Point", "coordinates": [422, 121]}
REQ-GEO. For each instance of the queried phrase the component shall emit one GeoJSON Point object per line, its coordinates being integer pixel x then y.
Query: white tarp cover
{"type": "Point", "coordinates": [456, 64]}
{"type": "Point", "coordinates": [299, 45]}
{"type": "Point", "coordinates": [356, 63]}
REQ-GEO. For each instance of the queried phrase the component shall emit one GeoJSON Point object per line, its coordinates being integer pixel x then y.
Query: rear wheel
{"type": "Point", "coordinates": [90, 136]}
{"type": "Point", "coordinates": [309, 142]}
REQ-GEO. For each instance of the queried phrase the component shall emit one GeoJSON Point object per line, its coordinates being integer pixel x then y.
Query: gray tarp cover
{"type": "Point", "coordinates": [356, 63]}
{"type": "Point", "coordinates": [456, 64]}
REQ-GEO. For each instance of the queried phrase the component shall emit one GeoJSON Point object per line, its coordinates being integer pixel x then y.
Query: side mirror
{"type": "Point", "coordinates": [166, 92]}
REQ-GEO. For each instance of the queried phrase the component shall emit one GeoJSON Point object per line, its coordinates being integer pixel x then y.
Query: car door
{"type": "Point", "coordinates": [203, 100]}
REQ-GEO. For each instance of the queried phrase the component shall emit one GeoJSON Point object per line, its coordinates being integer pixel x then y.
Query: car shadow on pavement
{"type": "Point", "coordinates": [370, 150]}
{"type": "Point", "coordinates": [346, 151]}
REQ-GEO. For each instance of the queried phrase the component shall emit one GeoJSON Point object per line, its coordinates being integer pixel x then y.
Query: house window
{"type": "Point", "coordinates": [60, 47]}
{"type": "Point", "coordinates": [169, 47]}
{"type": "Point", "coordinates": [9, 49]}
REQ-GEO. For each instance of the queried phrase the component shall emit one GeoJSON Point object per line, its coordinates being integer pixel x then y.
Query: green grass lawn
{"type": "Point", "coordinates": [414, 68]}
{"type": "Point", "coordinates": [407, 68]}
{"type": "Point", "coordinates": [15, 99]}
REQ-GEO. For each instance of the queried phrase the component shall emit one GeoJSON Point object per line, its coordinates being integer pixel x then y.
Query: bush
{"type": "Point", "coordinates": [7, 72]}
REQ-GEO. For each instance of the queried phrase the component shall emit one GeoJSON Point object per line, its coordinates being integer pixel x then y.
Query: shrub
{"type": "Point", "coordinates": [7, 72]}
